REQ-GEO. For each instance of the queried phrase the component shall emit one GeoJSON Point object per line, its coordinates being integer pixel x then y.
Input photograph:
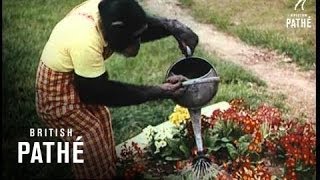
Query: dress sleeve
{"type": "Point", "coordinates": [86, 52]}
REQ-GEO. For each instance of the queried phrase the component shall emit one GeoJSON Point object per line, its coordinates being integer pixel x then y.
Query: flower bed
{"type": "Point", "coordinates": [242, 143]}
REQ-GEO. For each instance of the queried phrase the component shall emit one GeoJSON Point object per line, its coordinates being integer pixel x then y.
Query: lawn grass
{"type": "Point", "coordinates": [26, 28]}
{"type": "Point", "coordinates": [262, 23]}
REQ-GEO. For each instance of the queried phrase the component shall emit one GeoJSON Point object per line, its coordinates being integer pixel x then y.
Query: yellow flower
{"type": "Point", "coordinates": [180, 115]}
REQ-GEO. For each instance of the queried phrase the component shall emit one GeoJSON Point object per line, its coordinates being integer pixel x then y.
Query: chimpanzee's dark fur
{"type": "Point", "coordinates": [127, 11]}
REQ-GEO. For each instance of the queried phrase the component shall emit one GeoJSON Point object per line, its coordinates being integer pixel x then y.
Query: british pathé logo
{"type": "Point", "coordinates": [299, 20]}
{"type": "Point", "coordinates": [63, 148]}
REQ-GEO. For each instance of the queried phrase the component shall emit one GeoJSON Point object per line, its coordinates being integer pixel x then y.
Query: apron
{"type": "Point", "coordinates": [58, 106]}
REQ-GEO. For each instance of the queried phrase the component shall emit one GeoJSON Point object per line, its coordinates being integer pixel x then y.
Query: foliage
{"type": "Point", "coordinates": [132, 161]}
{"type": "Point", "coordinates": [168, 143]}
{"type": "Point", "coordinates": [245, 142]}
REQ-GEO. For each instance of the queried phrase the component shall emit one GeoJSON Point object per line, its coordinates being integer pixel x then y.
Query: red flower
{"type": "Point", "coordinates": [290, 162]}
{"type": "Point", "coordinates": [251, 147]}
{"type": "Point", "coordinates": [244, 169]}
{"type": "Point", "coordinates": [268, 114]}
{"type": "Point", "coordinates": [238, 104]}
{"type": "Point", "coordinates": [216, 114]}
{"type": "Point", "coordinates": [290, 175]}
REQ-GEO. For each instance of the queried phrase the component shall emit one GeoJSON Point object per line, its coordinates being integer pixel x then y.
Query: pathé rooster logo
{"type": "Point", "coordinates": [300, 2]}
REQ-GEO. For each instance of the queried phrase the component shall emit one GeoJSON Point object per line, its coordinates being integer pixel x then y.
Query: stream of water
{"type": "Point", "coordinates": [195, 115]}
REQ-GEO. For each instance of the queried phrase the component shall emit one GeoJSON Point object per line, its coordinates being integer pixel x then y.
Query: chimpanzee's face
{"type": "Point", "coordinates": [123, 21]}
{"type": "Point", "coordinates": [126, 39]}
{"type": "Point", "coordinates": [132, 50]}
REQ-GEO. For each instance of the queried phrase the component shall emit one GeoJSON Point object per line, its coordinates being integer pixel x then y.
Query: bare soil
{"type": "Point", "coordinates": [277, 70]}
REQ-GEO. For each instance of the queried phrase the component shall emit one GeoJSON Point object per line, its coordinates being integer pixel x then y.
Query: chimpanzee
{"type": "Point", "coordinates": [72, 87]}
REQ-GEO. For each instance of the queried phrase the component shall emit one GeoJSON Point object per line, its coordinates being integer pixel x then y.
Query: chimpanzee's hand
{"type": "Point", "coordinates": [176, 78]}
{"type": "Point", "coordinates": [172, 87]}
{"type": "Point", "coordinates": [184, 35]}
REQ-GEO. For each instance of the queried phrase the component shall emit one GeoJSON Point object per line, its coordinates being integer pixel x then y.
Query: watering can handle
{"type": "Point", "coordinates": [188, 51]}
{"type": "Point", "coordinates": [200, 81]}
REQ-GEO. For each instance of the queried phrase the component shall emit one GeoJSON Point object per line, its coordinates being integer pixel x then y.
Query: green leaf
{"type": "Point", "coordinates": [229, 132]}
{"type": "Point", "coordinates": [306, 169]}
{"type": "Point", "coordinates": [302, 169]}
{"type": "Point", "coordinates": [232, 150]}
{"type": "Point", "coordinates": [211, 140]}
{"type": "Point", "coordinates": [299, 168]}
{"type": "Point", "coordinates": [173, 143]}
{"type": "Point", "coordinates": [217, 148]}
{"type": "Point", "coordinates": [243, 147]}
{"type": "Point", "coordinates": [224, 139]}
{"type": "Point", "coordinates": [167, 151]}
{"type": "Point", "coordinates": [184, 149]}
{"type": "Point", "coordinates": [148, 176]}
{"type": "Point", "coordinates": [172, 177]}
{"type": "Point", "coordinates": [244, 138]}
{"type": "Point", "coordinates": [168, 158]}
{"type": "Point", "coordinates": [265, 129]}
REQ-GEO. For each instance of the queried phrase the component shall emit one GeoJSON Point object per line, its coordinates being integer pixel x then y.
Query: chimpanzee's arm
{"type": "Point", "coordinates": [156, 29]}
{"type": "Point", "coordinates": [159, 27]}
{"type": "Point", "coordinates": [100, 90]}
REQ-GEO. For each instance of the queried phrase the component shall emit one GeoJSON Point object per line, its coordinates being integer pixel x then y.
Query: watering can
{"type": "Point", "coordinates": [202, 84]}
